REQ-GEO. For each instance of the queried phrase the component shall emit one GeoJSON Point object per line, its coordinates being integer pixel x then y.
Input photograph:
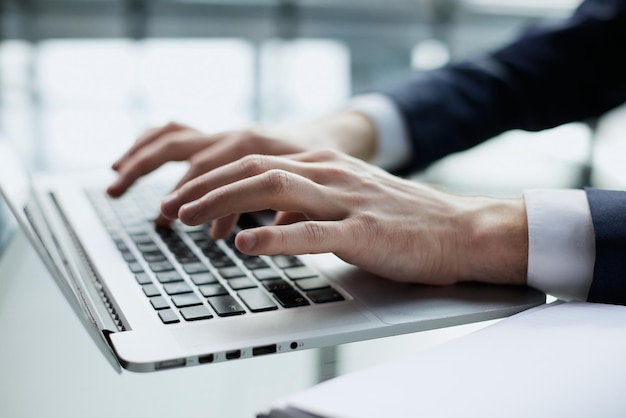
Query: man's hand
{"type": "Point", "coordinates": [349, 132]}
{"type": "Point", "coordinates": [330, 202]}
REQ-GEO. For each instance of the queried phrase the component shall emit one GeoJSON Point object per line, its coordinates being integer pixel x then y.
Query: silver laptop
{"type": "Point", "coordinates": [155, 299]}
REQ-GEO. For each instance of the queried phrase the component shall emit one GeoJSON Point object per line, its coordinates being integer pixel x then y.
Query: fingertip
{"type": "Point", "coordinates": [246, 241]}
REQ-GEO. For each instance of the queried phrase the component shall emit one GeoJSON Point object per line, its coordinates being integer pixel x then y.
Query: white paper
{"type": "Point", "coordinates": [566, 360]}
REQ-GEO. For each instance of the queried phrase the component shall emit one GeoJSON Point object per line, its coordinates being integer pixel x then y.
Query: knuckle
{"type": "Point", "coordinates": [278, 181]}
{"type": "Point", "coordinates": [253, 164]}
{"type": "Point", "coordinates": [326, 154]}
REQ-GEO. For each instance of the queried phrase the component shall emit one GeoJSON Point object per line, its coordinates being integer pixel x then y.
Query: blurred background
{"type": "Point", "coordinates": [80, 79]}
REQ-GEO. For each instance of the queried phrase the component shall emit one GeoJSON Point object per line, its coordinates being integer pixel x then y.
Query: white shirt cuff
{"type": "Point", "coordinates": [561, 243]}
{"type": "Point", "coordinates": [393, 147]}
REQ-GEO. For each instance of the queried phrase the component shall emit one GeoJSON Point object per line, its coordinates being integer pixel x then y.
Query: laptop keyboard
{"type": "Point", "coordinates": [187, 276]}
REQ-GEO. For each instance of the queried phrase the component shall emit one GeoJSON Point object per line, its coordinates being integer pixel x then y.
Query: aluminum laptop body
{"type": "Point", "coordinates": [65, 227]}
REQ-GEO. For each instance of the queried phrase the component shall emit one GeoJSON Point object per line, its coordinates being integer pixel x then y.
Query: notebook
{"type": "Point", "coordinates": [155, 299]}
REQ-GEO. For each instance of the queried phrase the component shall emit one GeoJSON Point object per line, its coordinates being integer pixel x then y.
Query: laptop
{"type": "Point", "coordinates": [156, 299]}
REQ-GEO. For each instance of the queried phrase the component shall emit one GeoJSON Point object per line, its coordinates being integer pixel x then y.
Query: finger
{"type": "Point", "coordinates": [286, 218]}
{"type": "Point", "coordinates": [144, 139]}
{"type": "Point", "coordinates": [221, 228]}
{"type": "Point", "coordinates": [249, 166]}
{"type": "Point", "coordinates": [311, 237]}
{"type": "Point", "coordinates": [153, 156]}
{"type": "Point", "coordinates": [274, 189]}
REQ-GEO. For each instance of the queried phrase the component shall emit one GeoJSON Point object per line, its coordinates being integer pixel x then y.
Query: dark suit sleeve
{"type": "Point", "coordinates": [554, 74]}
{"type": "Point", "coordinates": [608, 211]}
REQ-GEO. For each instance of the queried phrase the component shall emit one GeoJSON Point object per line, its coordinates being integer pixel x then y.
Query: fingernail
{"type": "Point", "coordinates": [249, 240]}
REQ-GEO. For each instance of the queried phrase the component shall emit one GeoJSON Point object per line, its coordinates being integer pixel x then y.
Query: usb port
{"type": "Point", "coordinates": [205, 359]}
{"type": "Point", "coordinates": [231, 355]}
{"type": "Point", "coordinates": [265, 349]}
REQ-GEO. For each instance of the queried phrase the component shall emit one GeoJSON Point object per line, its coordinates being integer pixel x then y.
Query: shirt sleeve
{"type": "Point", "coordinates": [561, 243]}
{"type": "Point", "coordinates": [393, 146]}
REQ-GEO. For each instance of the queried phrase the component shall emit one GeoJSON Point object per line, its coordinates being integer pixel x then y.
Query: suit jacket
{"type": "Point", "coordinates": [556, 73]}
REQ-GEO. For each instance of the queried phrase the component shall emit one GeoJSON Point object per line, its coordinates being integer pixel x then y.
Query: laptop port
{"type": "Point", "coordinates": [170, 364]}
{"type": "Point", "coordinates": [206, 359]}
{"type": "Point", "coordinates": [231, 355]}
{"type": "Point", "coordinates": [265, 349]}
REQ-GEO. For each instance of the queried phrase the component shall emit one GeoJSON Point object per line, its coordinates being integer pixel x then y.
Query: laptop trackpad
{"type": "Point", "coordinates": [398, 303]}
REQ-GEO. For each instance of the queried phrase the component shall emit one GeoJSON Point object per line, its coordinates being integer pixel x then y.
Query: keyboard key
{"type": "Point", "coordinates": [312, 283]}
{"type": "Point", "coordinates": [150, 290]}
{"type": "Point", "coordinates": [254, 263]}
{"type": "Point", "coordinates": [325, 295]}
{"type": "Point", "coordinates": [226, 305]}
{"type": "Point", "coordinates": [141, 238]}
{"type": "Point", "coordinates": [266, 274]}
{"type": "Point", "coordinates": [129, 257]}
{"type": "Point", "coordinates": [230, 272]}
{"type": "Point", "coordinates": [290, 298]}
{"type": "Point", "coordinates": [176, 288]}
{"type": "Point", "coordinates": [256, 300]}
{"type": "Point", "coordinates": [147, 248]}
{"type": "Point", "coordinates": [135, 267]}
{"type": "Point", "coordinates": [195, 313]}
{"type": "Point", "coordinates": [286, 261]}
{"type": "Point", "coordinates": [186, 299]}
{"type": "Point", "coordinates": [209, 290]}
{"type": "Point", "coordinates": [169, 277]}
{"type": "Point", "coordinates": [168, 316]}
{"type": "Point", "coordinates": [299, 273]}
{"type": "Point", "coordinates": [203, 278]}
{"type": "Point", "coordinates": [276, 285]}
{"type": "Point", "coordinates": [159, 302]}
{"type": "Point", "coordinates": [241, 283]}
{"type": "Point", "coordinates": [193, 268]}
{"type": "Point", "coordinates": [143, 278]}
{"type": "Point", "coordinates": [160, 266]}
{"type": "Point", "coordinates": [154, 256]}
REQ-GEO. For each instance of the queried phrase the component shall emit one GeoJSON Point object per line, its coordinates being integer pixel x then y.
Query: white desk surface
{"type": "Point", "coordinates": [51, 368]}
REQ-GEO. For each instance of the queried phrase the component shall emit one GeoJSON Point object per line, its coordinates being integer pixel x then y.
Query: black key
{"type": "Point", "coordinates": [230, 272]}
{"type": "Point", "coordinates": [161, 266]}
{"type": "Point", "coordinates": [135, 267]}
{"type": "Point", "coordinates": [203, 278]}
{"type": "Point", "coordinates": [198, 235]}
{"type": "Point", "coordinates": [150, 290]}
{"type": "Point", "coordinates": [312, 283]}
{"type": "Point", "coordinates": [195, 313]}
{"type": "Point", "coordinates": [147, 248]}
{"type": "Point", "coordinates": [129, 257]}
{"type": "Point", "coordinates": [168, 316]}
{"type": "Point", "coordinates": [169, 276]}
{"type": "Point", "coordinates": [186, 299]}
{"type": "Point", "coordinates": [254, 263]}
{"type": "Point", "coordinates": [193, 268]}
{"type": "Point", "coordinates": [324, 295]}
{"type": "Point", "coordinates": [221, 261]}
{"type": "Point", "coordinates": [176, 288]}
{"type": "Point", "coordinates": [143, 278]}
{"type": "Point", "coordinates": [286, 261]}
{"type": "Point", "coordinates": [266, 274]}
{"type": "Point", "coordinates": [141, 238]}
{"type": "Point", "coordinates": [209, 290]}
{"type": "Point", "coordinates": [256, 300]}
{"type": "Point", "coordinates": [187, 258]}
{"type": "Point", "coordinates": [241, 283]}
{"type": "Point", "coordinates": [299, 273]}
{"type": "Point", "coordinates": [154, 256]}
{"type": "Point", "coordinates": [290, 298]}
{"type": "Point", "coordinates": [226, 305]}
{"type": "Point", "coordinates": [159, 302]}
{"type": "Point", "coordinates": [276, 285]}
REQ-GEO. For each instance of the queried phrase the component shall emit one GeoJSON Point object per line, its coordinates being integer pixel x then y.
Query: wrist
{"type": "Point", "coordinates": [497, 245]}
{"type": "Point", "coordinates": [350, 132]}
